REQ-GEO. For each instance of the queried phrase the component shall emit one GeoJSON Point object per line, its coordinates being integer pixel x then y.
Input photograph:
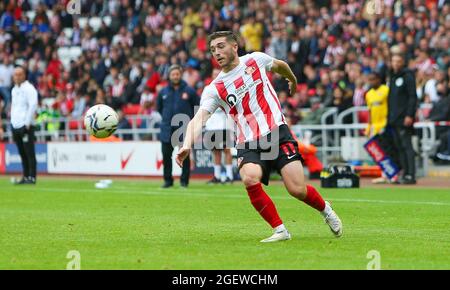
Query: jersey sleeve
{"type": "Point", "coordinates": [263, 60]}
{"type": "Point", "coordinates": [209, 100]}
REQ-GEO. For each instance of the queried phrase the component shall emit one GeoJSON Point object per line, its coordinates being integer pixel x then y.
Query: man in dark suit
{"type": "Point", "coordinates": [402, 106]}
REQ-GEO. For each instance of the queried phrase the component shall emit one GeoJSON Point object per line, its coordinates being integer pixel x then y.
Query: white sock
{"type": "Point", "coordinates": [229, 169]}
{"type": "Point", "coordinates": [280, 228]}
{"type": "Point", "coordinates": [327, 210]}
{"type": "Point", "coordinates": [217, 171]}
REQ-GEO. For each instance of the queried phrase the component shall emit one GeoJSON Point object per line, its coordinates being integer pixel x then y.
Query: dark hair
{"type": "Point", "coordinates": [229, 35]}
{"type": "Point", "coordinates": [22, 68]}
{"type": "Point", "coordinates": [175, 66]}
{"type": "Point", "coordinates": [376, 74]}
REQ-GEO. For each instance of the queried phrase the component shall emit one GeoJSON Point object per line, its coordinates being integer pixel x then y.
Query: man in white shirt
{"type": "Point", "coordinates": [23, 109]}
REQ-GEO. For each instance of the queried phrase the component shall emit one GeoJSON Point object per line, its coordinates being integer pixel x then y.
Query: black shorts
{"type": "Point", "coordinates": [218, 139]}
{"type": "Point", "coordinates": [276, 150]}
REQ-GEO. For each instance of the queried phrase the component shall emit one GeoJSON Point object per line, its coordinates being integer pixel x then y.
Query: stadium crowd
{"type": "Point", "coordinates": [331, 46]}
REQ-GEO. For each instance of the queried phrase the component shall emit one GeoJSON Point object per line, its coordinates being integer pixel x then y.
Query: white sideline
{"type": "Point", "coordinates": [170, 192]}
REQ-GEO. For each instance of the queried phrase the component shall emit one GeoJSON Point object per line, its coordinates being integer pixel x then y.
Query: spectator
{"type": "Point", "coordinates": [191, 76]}
{"type": "Point", "coordinates": [6, 74]}
{"type": "Point", "coordinates": [124, 124]}
{"type": "Point", "coordinates": [147, 102]}
{"type": "Point", "coordinates": [342, 100]}
{"type": "Point", "coordinates": [315, 116]}
{"type": "Point", "coordinates": [190, 21]}
{"type": "Point", "coordinates": [252, 33]}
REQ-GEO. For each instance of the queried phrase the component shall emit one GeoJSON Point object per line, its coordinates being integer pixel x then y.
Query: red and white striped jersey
{"type": "Point", "coordinates": [246, 94]}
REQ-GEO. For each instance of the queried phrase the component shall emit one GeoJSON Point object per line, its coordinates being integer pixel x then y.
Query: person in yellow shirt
{"type": "Point", "coordinates": [377, 102]}
{"type": "Point", "coordinates": [190, 21]}
{"type": "Point", "coordinates": [252, 33]}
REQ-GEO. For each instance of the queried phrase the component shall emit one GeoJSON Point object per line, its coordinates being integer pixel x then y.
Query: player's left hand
{"type": "Point", "coordinates": [292, 87]}
{"type": "Point", "coordinates": [181, 155]}
{"type": "Point", "coordinates": [408, 121]}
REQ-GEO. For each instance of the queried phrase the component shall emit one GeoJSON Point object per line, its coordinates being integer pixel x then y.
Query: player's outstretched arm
{"type": "Point", "coordinates": [193, 131]}
{"type": "Point", "coordinates": [282, 68]}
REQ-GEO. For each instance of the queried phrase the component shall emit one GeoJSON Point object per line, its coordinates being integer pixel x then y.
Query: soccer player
{"type": "Point", "coordinates": [244, 92]}
{"type": "Point", "coordinates": [219, 138]}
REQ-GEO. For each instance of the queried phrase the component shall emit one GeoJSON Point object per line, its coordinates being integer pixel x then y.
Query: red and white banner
{"type": "Point", "coordinates": [104, 158]}
{"type": "Point", "coordinates": [2, 158]}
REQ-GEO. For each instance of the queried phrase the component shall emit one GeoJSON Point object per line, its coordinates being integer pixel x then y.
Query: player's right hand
{"type": "Point", "coordinates": [182, 154]}
{"type": "Point", "coordinates": [1, 134]}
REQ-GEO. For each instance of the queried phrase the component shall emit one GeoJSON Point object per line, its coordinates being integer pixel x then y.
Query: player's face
{"type": "Point", "coordinates": [18, 76]}
{"type": "Point", "coordinates": [374, 82]}
{"type": "Point", "coordinates": [397, 63]}
{"type": "Point", "coordinates": [223, 51]}
{"type": "Point", "coordinates": [175, 76]}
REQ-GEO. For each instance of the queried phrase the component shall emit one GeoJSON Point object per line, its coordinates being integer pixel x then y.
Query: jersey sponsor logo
{"type": "Point", "coordinates": [249, 70]}
{"type": "Point", "coordinates": [240, 90]}
{"type": "Point", "coordinates": [232, 100]}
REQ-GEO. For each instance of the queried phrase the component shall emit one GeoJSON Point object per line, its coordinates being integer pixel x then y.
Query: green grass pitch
{"type": "Point", "coordinates": [136, 225]}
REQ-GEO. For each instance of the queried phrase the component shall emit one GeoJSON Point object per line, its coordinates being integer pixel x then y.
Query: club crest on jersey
{"type": "Point", "coordinates": [231, 100]}
{"type": "Point", "coordinates": [249, 70]}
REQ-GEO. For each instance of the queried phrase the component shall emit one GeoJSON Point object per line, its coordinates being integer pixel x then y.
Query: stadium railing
{"type": "Point", "coordinates": [326, 137]}
{"type": "Point", "coordinates": [143, 127]}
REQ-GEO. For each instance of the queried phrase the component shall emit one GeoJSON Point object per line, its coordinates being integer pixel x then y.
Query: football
{"type": "Point", "coordinates": [101, 121]}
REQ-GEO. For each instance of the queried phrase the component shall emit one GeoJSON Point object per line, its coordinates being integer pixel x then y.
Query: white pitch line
{"type": "Point", "coordinates": [169, 192]}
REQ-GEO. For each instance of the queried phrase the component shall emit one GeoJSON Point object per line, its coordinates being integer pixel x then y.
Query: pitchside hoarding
{"type": "Point", "coordinates": [13, 163]}
{"type": "Point", "coordinates": [115, 158]}
{"type": "Point", "coordinates": [387, 164]}
{"type": "Point", "coordinates": [2, 158]}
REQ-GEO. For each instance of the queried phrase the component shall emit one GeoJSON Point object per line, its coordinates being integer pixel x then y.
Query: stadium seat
{"type": "Point", "coordinates": [74, 125]}
{"type": "Point", "coordinates": [64, 56]}
{"type": "Point", "coordinates": [363, 117]}
{"type": "Point", "coordinates": [75, 52]}
{"type": "Point", "coordinates": [82, 21]}
{"type": "Point", "coordinates": [68, 32]}
{"type": "Point", "coordinates": [49, 13]}
{"type": "Point", "coordinates": [301, 87]}
{"type": "Point", "coordinates": [95, 23]}
{"type": "Point", "coordinates": [107, 20]}
{"type": "Point", "coordinates": [31, 15]}
{"type": "Point", "coordinates": [131, 109]}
